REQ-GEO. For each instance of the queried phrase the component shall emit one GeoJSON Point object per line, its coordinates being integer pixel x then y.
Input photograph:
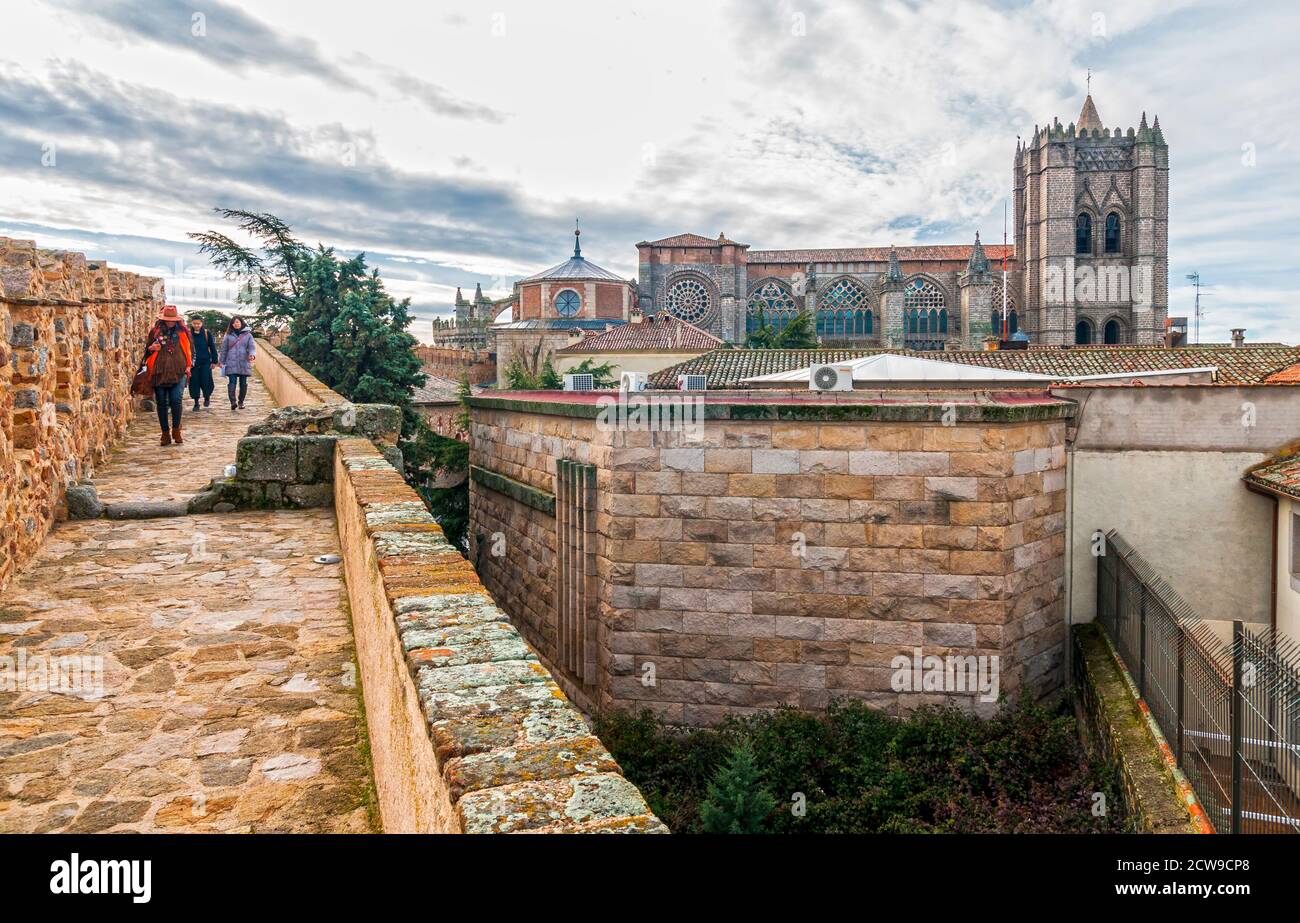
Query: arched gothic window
{"type": "Point", "coordinates": [843, 310]}
{"type": "Point", "coordinates": [1113, 333]}
{"type": "Point", "coordinates": [995, 316]}
{"type": "Point", "coordinates": [773, 303]}
{"type": "Point", "coordinates": [925, 309]}
{"type": "Point", "coordinates": [689, 300]}
{"type": "Point", "coordinates": [1083, 233]}
{"type": "Point", "coordinates": [1083, 333]}
{"type": "Point", "coordinates": [1112, 232]}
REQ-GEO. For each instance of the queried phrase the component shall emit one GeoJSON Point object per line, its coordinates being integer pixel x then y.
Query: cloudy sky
{"type": "Point", "coordinates": [456, 142]}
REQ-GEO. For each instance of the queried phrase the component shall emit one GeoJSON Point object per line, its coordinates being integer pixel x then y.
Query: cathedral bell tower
{"type": "Point", "coordinates": [1092, 231]}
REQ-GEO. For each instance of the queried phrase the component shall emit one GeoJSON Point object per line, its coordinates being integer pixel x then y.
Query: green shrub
{"type": "Point", "coordinates": [859, 770]}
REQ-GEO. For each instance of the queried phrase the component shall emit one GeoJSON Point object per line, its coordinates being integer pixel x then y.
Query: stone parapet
{"type": "Point", "coordinates": [71, 331]}
{"type": "Point", "coordinates": [288, 382]}
{"type": "Point", "coordinates": [469, 732]}
{"type": "Point", "coordinates": [287, 460]}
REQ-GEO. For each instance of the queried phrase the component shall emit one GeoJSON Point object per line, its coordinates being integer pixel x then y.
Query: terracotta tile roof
{"type": "Point", "coordinates": [689, 240]}
{"type": "Point", "coordinates": [436, 390]}
{"type": "Point", "coordinates": [936, 252]}
{"type": "Point", "coordinates": [1287, 376]}
{"type": "Point", "coordinates": [1279, 474]}
{"type": "Point", "coordinates": [659, 333]}
{"type": "Point", "coordinates": [1246, 365]}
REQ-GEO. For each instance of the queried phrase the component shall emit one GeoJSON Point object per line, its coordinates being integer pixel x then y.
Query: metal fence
{"type": "Point", "coordinates": [1226, 695]}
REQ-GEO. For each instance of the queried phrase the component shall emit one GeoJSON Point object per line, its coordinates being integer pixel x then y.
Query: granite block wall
{"type": "Point", "coordinates": [788, 561]}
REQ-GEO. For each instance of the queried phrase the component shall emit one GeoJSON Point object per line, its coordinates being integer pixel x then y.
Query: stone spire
{"type": "Point", "coordinates": [479, 297]}
{"type": "Point", "coordinates": [1088, 119]}
{"type": "Point", "coordinates": [895, 268]}
{"type": "Point", "coordinates": [978, 264]}
{"type": "Point", "coordinates": [460, 299]}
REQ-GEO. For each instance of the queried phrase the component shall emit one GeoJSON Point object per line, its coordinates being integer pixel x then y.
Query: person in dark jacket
{"type": "Point", "coordinates": [205, 359]}
{"type": "Point", "coordinates": [168, 352]}
{"type": "Point", "coordinates": [236, 357]}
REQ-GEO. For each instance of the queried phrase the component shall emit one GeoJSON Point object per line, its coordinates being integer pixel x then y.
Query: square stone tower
{"type": "Point", "coordinates": [1092, 219]}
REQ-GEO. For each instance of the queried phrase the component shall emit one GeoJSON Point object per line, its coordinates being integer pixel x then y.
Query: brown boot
{"type": "Point", "coordinates": [166, 438]}
{"type": "Point", "coordinates": [176, 436]}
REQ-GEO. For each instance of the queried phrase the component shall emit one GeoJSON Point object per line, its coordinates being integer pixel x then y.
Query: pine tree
{"type": "Point", "coordinates": [737, 802]}
{"type": "Point", "coordinates": [344, 328]}
{"type": "Point", "coordinates": [797, 334]}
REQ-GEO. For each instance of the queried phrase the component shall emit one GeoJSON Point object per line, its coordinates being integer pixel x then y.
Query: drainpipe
{"type": "Point", "coordinates": [1071, 436]}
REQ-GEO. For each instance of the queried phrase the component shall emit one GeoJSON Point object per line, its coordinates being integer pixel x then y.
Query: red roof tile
{"type": "Point", "coordinates": [937, 252]}
{"type": "Point", "coordinates": [690, 240]}
{"type": "Point", "coordinates": [1287, 376]}
{"type": "Point", "coordinates": [1279, 474]}
{"type": "Point", "coordinates": [658, 333]}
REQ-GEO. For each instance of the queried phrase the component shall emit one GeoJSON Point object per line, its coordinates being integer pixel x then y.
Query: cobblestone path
{"type": "Point", "coordinates": [225, 698]}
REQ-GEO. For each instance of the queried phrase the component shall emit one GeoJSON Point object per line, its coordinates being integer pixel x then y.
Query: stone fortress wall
{"type": "Point", "coordinates": [912, 534]}
{"type": "Point", "coordinates": [72, 330]}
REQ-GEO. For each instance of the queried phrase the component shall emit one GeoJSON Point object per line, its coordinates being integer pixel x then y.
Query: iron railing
{"type": "Point", "coordinates": [1226, 696]}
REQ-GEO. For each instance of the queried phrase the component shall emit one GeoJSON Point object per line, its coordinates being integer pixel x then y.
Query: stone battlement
{"type": "Point", "coordinates": [72, 330]}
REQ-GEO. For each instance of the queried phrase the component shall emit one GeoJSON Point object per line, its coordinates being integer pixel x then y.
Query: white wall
{"type": "Point", "coordinates": [1188, 514]}
{"type": "Point", "coordinates": [1164, 467]}
{"type": "Point", "coordinates": [1288, 587]}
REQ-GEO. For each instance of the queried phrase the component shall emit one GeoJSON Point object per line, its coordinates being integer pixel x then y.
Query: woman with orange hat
{"type": "Point", "coordinates": [169, 355]}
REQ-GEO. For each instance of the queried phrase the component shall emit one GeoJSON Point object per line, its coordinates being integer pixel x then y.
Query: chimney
{"type": "Point", "coordinates": [1238, 337]}
{"type": "Point", "coordinates": [575, 335]}
{"type": "Point", "coordinates": [636, 315]}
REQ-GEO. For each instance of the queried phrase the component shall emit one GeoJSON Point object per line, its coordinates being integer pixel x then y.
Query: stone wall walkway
{"type": "Point", "coordinates": [226, 697]}
{"type": "Point", "coordinates": [139, 468]}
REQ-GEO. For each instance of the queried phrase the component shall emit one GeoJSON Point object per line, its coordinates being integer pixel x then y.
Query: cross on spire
{"type": "Point", "coordinates": [577, 232]}
{"type": "Point", "coordinates": [1090, 81]}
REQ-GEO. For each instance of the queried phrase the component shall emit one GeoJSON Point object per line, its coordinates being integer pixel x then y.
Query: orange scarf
{"type": "Point", "coordinates": [187, 347]}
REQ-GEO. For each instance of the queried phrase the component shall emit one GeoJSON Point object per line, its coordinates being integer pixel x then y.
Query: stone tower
{"type": "Point", "coordinates": [975, 288]}
{"type": "Point", "coordinates": [1092, 218]}
{"type": "Point", "coordinates": [463, 310]}
{"type": "Point", "coordinates": [482, 305]}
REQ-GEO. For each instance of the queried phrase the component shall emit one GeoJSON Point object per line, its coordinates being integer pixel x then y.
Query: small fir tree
{"type": "Point", "coordinates": [737, 802]}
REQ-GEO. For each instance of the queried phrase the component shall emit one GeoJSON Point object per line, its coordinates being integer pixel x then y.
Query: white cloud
{"type": "Point", "coordinates": [783, 124]}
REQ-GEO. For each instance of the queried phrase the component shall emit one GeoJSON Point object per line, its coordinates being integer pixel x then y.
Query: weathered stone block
{"type": "Point", "coordinates": [83, 502]}
{"type": "Point", "coordinates": [315, 459]}
{"type": "Point", "coordinates": [267, 458]}
{"type": "Point", "coordinates": [308, 496]}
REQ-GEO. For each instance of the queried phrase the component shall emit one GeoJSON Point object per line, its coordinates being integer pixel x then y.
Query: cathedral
{"type": "Point", "coordinates": [1089, 264]}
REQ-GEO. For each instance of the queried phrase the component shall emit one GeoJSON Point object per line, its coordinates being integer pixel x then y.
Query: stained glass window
{"type": "Point", "coordinates": [844, 311]}
{"type": "Point", "coordinates": [1083, 233]}
{"type": "Point", "coordinates": [567, 303]}
{"type": "Point", "coordinates": [773, 303]}
{"type": "Point", "coordinates": [689, 300]}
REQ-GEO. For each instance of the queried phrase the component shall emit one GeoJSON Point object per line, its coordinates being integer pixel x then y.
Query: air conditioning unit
{"type": "Point", "coordinates": [692, 383]}
{"type": "Point", "coordinates": [580, 382]}
{"type": "Point", "coordinates": [633, 381]}
{"type": "Point", "coordinates": [831, 378]}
